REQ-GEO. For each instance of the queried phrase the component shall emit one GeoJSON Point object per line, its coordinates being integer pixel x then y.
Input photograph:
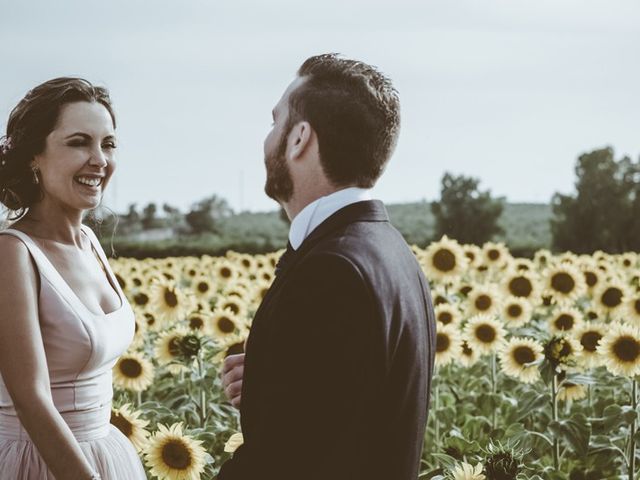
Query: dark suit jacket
{"type": "Point", "coordinates": [339, 360]}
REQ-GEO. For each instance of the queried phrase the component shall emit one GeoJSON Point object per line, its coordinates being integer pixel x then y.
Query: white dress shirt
{"type": "Point", "coordinates": [318, 211]}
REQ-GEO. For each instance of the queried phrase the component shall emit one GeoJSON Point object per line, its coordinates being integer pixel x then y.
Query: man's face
{"type": "Point", "coordinates": [279, 184]}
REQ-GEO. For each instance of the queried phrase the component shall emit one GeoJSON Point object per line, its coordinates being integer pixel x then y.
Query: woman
{"type": "Point", "coordinates": [63, 318]}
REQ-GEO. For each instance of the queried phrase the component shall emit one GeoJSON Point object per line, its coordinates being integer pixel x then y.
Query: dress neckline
{"type": "Point", "coordinates": [113, 282]}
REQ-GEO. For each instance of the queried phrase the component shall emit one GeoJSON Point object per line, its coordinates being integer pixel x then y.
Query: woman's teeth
{"type": "Point", "coordinates": [90, 181]}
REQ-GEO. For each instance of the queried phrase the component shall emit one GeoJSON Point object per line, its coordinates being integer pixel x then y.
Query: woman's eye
{"type": "Point", "coordinates": [110, 146]}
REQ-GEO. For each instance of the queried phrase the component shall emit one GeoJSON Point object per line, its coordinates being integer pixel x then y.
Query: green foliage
{"type": "Point", "coordinates": [464, 212]}
{"type": "Point", "coordinates": [206, 214]}
{"type": "Point", "coordinates": [604, 213]}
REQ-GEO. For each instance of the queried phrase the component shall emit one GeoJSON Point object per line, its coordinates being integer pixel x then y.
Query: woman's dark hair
{"type": "Point", "coordinates": [354, 110]}
{"type": "Point", "coordinates": [30, 122]}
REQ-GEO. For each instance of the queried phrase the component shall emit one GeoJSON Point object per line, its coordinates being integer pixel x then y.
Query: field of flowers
{"type": "Point", "coordinates": [536, 362]}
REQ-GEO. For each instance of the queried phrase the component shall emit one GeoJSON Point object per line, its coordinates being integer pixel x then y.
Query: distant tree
{"type": "Point", "coordinates": [206, 214]}
{"type": "Point", "coordinates": [173, 215]}
{"type": "Point", "coordinates": [604, 212]}
{"type": "Point", "coordinates": [149, 219]}
{"type": "Point", "coordinates": [464, 212]}
{"type": "Point", "coordinates": [130, 221]}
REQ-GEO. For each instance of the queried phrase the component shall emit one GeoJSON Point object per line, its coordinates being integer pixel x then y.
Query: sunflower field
{"type": "Point", "coordinates": [536, 362]}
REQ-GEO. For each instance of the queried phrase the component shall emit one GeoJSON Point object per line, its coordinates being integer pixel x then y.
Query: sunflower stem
{"type": "Point", "coordinates": [632, 431]}
{"type": "Point", "coordinates": [554, 415]}
{"type": "Point", "coordinates": [139, 399]}
{"type": "Point", "coordinates": [203, 393]}
{"type": "Point", "coordinates": [437, 415]}
{"type": "Point", "coordinates": [494, 389]}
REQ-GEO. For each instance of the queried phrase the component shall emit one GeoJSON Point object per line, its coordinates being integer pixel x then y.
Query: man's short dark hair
{"type": "Point", "coordinates": [354, 110]}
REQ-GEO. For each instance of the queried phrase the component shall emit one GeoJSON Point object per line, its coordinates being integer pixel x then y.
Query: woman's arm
{"type": "Point", "coordinates": [23, 365]}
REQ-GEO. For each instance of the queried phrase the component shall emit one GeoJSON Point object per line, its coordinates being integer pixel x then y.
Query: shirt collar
{"type": "Point", "coordinates": [319, 210]}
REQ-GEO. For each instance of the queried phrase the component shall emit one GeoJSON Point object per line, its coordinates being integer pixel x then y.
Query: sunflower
{"type": "Point", "coordinates": [170, 302]}
{"type": "Point", "coordinates": [151, 321]}
{"type": "Point", "coordinates": [466, 471]}
{"type": "Point", "coordinates": [447, 314]}
{"type": "Point", "coordinates": [589, 335]}
{"type": "Point", "coordinates": [620, 348]}
{"type": "Point", "coordinates": [565, 283]}
{"type": "Point", "coordinates": [563, 352]}
{"type": "Point", "coordinates": [131, 425]}
{"type": "Point", "coordinates": [448, 344]}
{"type": "Point", "coordinates": [633, 309]}
{"type": "Point", "coordinates": [199, 321]}
{"type": "Point", "coordinates": [140, 299]}
{"type": "Point", "coordinates": [516, 312]}
{"type": "Point", "coordinates": [565, 319]}
{"type": "Point", "coordinates": [133, 372]}
{"type": "Point", "coordinates": [444, 260]}
{"type": "Point", "coordinates": [167, 347]}
{"type": "Point", "coordinates": [468, 356]}
{"type": "Point", "coordinates": [517, 356]}
{"type": "Point", "coordinates": [439, 296]}
{"type": "Point", "coordinates": [496, 255]}
{"type": "Point", "coordinates": [542, 258]}
{"type": "Point", "coordinates": [610, 297]}
{"type": "Point", "coordinates": [593, 276]}
{"type": "Point", "coordinates": [473, 254]}
{"type": "Point", "coordinates": [522, 284]}
{"type": "Point", "coordinates": [140, 330]}
{"type": "Point", "coordinates": [224, 323]}
{"type": "Point", "coordinates": [569, 392]}
{"type": "Point", "coordinates": [628, 260]}
{"type": "Point", "coordinates": [483, 300]}
{"type": "Point", "coordinates": [172, 455]}
{"type": "Point", "coordinates": [236, 305]}
{"type": "Point", "coordinates": [225, 271]}
{"type": "Point", "coordinates": [484, 333]}
{"type": "Point", "coordinates": [234, 442]}
{"type": "Point", "coordinates": [203, 287]}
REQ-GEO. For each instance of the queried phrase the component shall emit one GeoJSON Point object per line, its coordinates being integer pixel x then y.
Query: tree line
{"type": "Point", "coordinates": [603, 213]}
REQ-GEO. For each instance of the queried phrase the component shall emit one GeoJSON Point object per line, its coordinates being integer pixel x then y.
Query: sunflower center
{"type": "Point", "coordinates": [589, 341]}
{"type": "Point", "coordinates": [150, 319]}
{"type": "Point", "coordinates": [483, 303]}
{"type": "Point", "coordinates": [225, 272]}
{"type": "Point", "coordinates": [121, 282]}
{"type": "Point", "coordinates": [636, 306]}
{"type": "Point", "coordinates": [493, 254]}
{"type": "Point", "coordinates": [444, 260]}
{"type": "Point", "coordinates": [226, 325]}
{"type": "Point", "coordinates": [514, 311]}
{"type": "Point", "coordinates": [563, 282]}
{"type": "Point", "coordinates": [564, 322]}
{"type": "Point", "coordinates": [130, 368]}
{"type": "Point", "coordinates": [141, 299]}
{"type": "Point", "coordinates": [122, 424]}
{"type": "Point", "coordinates": [439, 300]}
{"type": "Point", "coordinates": [466, 350]}
{"type": "Point", "coordinates": [174, 346]}
{"type": "Point", "coordinates": [442, 342]}
{"type": "Point", "coordinates": [203, 287]}
{"type": "Point", "coordinates": [176, 455]}
{"type": "Point", "coordinates": [523, 355]}
{"type": "Point", "coordinates": [520, 287]}
{"type": "Point", "coordinates": [445, 318]}
{"type": "Point", "coordinates": [626, 349]}
{"type": "Point", "coordinates": [196, 323]}
{"type": "Point", "coordinates": [612, 297]}
{"type": "Point", "coordinates": [232, 306]}
{"type": "Point", "coordinates": [170, 298]}
{"type": "Point", "coordinates": [465, 290]}
{"type": "Point", "coordinates": [486, 333]}
{"type": "Point", "coordinates": [591, 278]}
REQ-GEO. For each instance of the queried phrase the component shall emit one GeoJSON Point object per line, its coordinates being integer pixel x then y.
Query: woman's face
{"type": "Point", "coordinates": [79, 156]}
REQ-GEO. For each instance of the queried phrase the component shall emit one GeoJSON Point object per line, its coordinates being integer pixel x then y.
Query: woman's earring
{"type": "Point", "coordinates": [36, 180]}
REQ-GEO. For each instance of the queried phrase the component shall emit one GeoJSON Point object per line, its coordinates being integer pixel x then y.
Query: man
{"type": "Point", "coordinates": [335, 382]}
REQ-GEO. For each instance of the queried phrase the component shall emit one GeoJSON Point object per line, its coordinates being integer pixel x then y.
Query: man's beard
{"type": "Point", "coordinates": [279, 185]}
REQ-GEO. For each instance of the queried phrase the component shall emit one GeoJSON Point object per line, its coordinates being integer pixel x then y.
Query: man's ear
{"type": "Point", "coordinates": [300, 139]}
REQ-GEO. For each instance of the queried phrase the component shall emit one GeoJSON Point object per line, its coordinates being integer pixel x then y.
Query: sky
{"type": "Point", "coordinates": [508, 91]}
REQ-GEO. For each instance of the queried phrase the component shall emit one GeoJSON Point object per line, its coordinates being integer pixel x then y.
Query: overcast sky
{"type": "Point", "coordinates": [506, 90]}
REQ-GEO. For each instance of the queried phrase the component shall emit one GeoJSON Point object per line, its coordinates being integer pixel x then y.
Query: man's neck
{"type": "Point", "coordinates": [304, 197]}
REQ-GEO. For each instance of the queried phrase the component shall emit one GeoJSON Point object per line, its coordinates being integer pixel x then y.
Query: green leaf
{"type": "Point", "coordinates": [576, 431]}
